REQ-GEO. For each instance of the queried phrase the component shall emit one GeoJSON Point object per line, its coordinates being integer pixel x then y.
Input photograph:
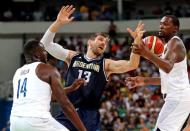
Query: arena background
{"type": "Point", "coordinates": [121, 109]}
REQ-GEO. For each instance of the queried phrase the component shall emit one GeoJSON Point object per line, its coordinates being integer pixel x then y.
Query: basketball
{"type": "Point", "coordinates": [155, 44]}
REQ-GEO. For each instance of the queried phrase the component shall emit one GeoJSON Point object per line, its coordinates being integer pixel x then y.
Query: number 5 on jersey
{"type": "Point", "coordinates": [22, 88]}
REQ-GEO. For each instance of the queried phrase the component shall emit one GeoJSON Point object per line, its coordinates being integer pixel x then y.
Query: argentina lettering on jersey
{"type": "Point", "coordinates": [92, 71]}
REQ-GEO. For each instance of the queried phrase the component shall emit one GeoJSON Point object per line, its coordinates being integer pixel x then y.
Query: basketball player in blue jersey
{"type": "Point", "coordinates": [173, 76]}
{"type": "Point", "coordinates": [33, 85]}
{"type": "Point", "coordinates": [92, 66]}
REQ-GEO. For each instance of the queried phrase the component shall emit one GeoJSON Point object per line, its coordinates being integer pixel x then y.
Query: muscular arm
{"type": "Point", "coordinates": [51, 75]}
{"type": "Point", "coordinates": [152, 81]}
{"type": "Point", "coordinates": [137, 81]}
{"type": "Point", "coordinates": [122, 66]}
{"type": "Point", "coordinates": [175, 53]}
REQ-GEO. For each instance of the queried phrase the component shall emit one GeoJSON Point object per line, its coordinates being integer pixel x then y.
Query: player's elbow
{"type": "Point", "coordinates": [167, 69]}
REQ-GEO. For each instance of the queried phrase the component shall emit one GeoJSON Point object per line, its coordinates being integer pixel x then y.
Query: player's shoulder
{"type": "Point", "coordinates": [175, 42]}
{"type": "Point", "coordinates": [176, 39]}
{"type": "Point", "coordinates": [46, 68]}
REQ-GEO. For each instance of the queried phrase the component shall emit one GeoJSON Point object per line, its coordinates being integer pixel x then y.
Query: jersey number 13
{"type": "Point", "coordinates": [85, 75]}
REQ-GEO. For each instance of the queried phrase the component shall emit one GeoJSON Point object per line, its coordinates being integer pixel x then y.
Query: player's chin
{"type": "Point", "coordinates": [99, 53]}
{"type": "Point", "coordinates": [160, 34]}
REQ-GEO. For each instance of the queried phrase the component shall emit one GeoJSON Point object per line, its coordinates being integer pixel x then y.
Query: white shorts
{"type": "Point", "coordinates": [35, 124]}
{"type": "Point", "coordinates": [174, 113]}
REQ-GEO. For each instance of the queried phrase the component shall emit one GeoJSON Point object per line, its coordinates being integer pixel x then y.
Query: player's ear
{"type": "Point", "coordinates": [176, 29]}
{"type": "Point", "coordinates": [35, 57]}
{"type": "Point", "coordinates": [89, 42]}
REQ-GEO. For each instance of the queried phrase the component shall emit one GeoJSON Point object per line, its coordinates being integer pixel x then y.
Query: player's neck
{"type": "Point", "coordinates": [166, 39]}
{"type": "Point", "coordinates": [91, 55]}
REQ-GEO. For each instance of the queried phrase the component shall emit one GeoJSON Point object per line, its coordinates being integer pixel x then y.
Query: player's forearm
{"type": "Point", "coordinates": [134, 60]}
{"type": "Point", "coordinates": [55, 26]}
{"type": "Point", "coordinates": [151, 81]}
{"type": "Point", "coordinates": [70, 112]}
{"type": "Point", "coordinates": [163, 64]}
{"type": "Point", "coordinates": [52, 48]}
{"type": "Point", "coordinates": [68, 90]}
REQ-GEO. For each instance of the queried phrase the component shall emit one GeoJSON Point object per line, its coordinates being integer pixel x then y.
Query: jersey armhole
{"type": "Point", "coordinates": [104, 70]}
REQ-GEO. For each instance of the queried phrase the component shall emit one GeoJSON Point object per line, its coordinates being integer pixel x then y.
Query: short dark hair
{"type": "Point", "coordinates": [30, 47]}
{"type": "Point", "coordinates": [93, 36]}
{"type": "Point", "coordinates": [175, 20]}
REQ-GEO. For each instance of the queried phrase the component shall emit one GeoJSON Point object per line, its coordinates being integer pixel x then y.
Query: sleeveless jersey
{"type": "Point", "coordinates": [177, 79]}
{"type": "Point", "coordinates": [32, 96]}
{"type": "Point", "coordinates": [92, 71]}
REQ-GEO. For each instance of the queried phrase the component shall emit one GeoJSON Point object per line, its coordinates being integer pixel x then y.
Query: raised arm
{"type": "Point", "coordinates": [122, 66]}
{"type": "Point", "coordinates": [55, 49]}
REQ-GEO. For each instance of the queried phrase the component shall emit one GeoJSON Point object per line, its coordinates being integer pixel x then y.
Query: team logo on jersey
{"type": "Point", "coordinates": [84, 65]}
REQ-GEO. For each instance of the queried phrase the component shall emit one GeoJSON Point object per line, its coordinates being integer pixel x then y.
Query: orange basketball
{"type": "Point", "coordinates": [155, 44]}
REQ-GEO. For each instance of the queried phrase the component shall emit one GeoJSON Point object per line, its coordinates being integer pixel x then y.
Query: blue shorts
{"type": "Point", "coordinates": [90, 118]}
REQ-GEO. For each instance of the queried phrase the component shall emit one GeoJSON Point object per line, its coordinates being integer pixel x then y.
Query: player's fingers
{"type": "Point", "coordinates": [138, 25]}
{"type": "Point", "coordinates": [69, 8]}
{"type": "Point", "coordinates": [66, 7]}
{"type": "Point", "coordinates": [140, 28]}
{"type": "Point", "coordinates": [71, 19]}
{"type": "Point", "coordinates": [71, 11]}
{"type": "Point", "coordinates": [61, 10]}
{"type": "Point", "coordinates": [131, 32]}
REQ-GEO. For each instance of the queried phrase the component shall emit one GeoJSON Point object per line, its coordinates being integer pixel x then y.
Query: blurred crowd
{"type": "Point", "coordinates": [93, 10]}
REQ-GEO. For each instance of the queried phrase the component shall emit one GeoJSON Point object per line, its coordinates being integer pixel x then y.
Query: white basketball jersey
{"type": "Point", "coordinates": [31, 96]}
{"type": "Point", "coordinates": [177, 79]}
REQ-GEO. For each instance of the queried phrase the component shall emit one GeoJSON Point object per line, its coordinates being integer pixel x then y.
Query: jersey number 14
{"type": "Point", "coordinates": [22, 88]}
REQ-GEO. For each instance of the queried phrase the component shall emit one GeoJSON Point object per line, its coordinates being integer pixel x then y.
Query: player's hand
{"type": "Point", "coordinates": [64, 15]}
{"type": "Point", "coordinates": [132, 82]}
{"type": "Point", "coordinates": [138, 29]}
{"type": "Point", "coordinates": [141, 49]}
{"type": "Point", "coordinates": [76, 84]}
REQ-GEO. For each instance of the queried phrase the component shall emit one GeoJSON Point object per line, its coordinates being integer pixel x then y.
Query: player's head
{"type": "Point", "coordinates": [34, 51]}
{"type": "Point", "coordinates": [52, 60]}
{"type": "Point", "coordinates": [169, 26]}
{"type": "Point", "coordinates": [97, 43]}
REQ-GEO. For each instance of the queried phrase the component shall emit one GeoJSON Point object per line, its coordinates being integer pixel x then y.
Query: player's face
{"type": "Point", "coordinates": [99, 44]}
{"type": "Point", "coordinates": [166, 27]}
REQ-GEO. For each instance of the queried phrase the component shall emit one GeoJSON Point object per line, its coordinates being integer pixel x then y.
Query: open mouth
{"type": "Point", "coordinates": [101, 48]}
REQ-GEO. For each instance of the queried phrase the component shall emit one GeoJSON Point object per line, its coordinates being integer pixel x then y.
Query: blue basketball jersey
{"type": "Point", "coordinates": [92, 71]}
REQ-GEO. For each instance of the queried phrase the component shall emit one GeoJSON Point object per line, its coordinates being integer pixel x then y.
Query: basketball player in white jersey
{"type": "Point", "coordinates": [173, 76]}
{"type": "Point", "coordinates": [33, 85]}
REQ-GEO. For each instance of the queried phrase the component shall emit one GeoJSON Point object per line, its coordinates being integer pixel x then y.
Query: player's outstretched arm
{"type": "Point", "coordinates": [122, 66]}
{"type": "Point", "coordinates": [137, 81]}
{"type": "Point", "coordinates": [56, 50]}
{"type": "Point", "coordinates": [51, 75]}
